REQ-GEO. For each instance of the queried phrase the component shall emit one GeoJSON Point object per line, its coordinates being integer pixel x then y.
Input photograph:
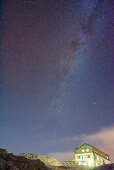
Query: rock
{"type": "Point", "coordinates": [47, 160]}
{"type": "Point", "coordinates": [105, 167]}
{"type": "Point", "coordinates": [9, 161]}
{"type": "Point", "coordinates": [2, 152]}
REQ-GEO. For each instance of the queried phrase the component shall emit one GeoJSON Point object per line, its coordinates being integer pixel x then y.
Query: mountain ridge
{"type": "Point", "coordinates": [49, 161]}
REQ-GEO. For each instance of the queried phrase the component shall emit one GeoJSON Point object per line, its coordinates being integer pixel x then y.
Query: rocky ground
{"type": "Point", "coordinates": [47, 160]}
{"type": "Point", "coordinates": [105, 167]}
{"type": "Point", "coordinates": [69, 168]}
{"type": "Point", "coordinates": [9, 161]}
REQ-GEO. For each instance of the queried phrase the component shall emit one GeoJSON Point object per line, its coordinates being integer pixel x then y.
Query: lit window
{"type": "Point", "coordinates": [87, 150]}
{"type": "Point", "coordinates": [78, 156]}
{"type": "Point", "coordinates": [97, 157]}
{"type": "Point", "coordinates": [83, 150]}
{"type": "Point", "coordinates": [87, 156]}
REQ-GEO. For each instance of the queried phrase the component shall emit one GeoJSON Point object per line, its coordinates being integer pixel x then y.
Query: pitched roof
{"type": "Point", "coordinates": [93, 148]}
{"type": "Point", "coordinates": [82, 145]}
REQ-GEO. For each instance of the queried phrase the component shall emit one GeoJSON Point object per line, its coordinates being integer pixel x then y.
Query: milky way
{"type": "Point", "coordinates": [56, 72]}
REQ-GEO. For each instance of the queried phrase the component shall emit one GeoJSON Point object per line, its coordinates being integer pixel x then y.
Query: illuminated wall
{"type": "Point", "coordinates": [90, 156]}
{"type": "Point", "coordinates": [99, 160]}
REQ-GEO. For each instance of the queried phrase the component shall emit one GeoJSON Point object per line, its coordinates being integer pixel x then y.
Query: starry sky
{"type": "Point", "coordinates": [57, 73]}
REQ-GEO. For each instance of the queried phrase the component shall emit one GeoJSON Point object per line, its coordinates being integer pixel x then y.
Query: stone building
{"type": "Point", "coordinates": [89, 156]}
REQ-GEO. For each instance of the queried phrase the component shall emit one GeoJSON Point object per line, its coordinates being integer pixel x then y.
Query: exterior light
{"type": "Point", "coordinates": [96, 164]}
{"type": "Point", "coordinates": [90, 163]}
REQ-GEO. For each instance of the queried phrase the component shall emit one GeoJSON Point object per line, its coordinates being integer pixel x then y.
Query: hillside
{"type": "Point", "coordinates": [8, 161]}
{"type": "Point", "coordinates": [47, 160]}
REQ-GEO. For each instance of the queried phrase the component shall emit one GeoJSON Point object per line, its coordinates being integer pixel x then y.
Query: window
{"type": "Point", "coordinates": [87, 150]}
{"type": "Point", "coordinates": [78, 156]}
{"type": "Point", "coordinates": [87, 156]}
{"type": "Point", "coordinates": [83, 150]}
{"type": "Point", "coordinates": [97, 157]}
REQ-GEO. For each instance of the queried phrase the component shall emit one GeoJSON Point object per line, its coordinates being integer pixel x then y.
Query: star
{"type": "Point", "coordinates": [94, 103]}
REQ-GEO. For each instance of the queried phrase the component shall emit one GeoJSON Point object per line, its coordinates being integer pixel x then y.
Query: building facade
{"type": "Point", "coordinates": [91, 156]}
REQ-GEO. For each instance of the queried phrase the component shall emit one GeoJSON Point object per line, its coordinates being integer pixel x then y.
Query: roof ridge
{"type": "Point", "coordinates": [92, 147]}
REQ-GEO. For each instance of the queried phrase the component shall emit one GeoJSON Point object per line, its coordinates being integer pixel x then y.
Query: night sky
{"type": "Point", "coordinates": [57, 74]}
